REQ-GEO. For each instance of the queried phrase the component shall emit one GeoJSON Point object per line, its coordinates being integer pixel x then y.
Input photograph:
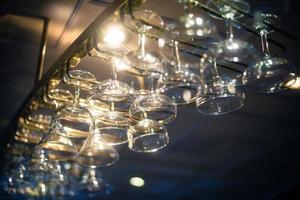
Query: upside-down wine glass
{"type": "Point", "coordinates": [112, 124]}
{"type": "Point", "coordinates": [181, 84]}
{"type": "Point", "coordinates": [232, 49]}
{"type": "Point", "coordinates": [95, 152]}
{"type": "Point", "coordinates": [222, 95]}
{"type": "Point", "coordinates": [271, 73]}
{"type": "Point", "coordinates": [150, 112]}
{"type": "Point", "coordinates": [141, 60]}
{"type": "Point", "coordinates": [191, 25]}
{"type": "Point", "coordinates": [75, 119]}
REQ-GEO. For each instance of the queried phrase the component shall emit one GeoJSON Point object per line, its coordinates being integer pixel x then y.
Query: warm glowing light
{"type": "Point", "coordinates": [121, 64]}
{"type": "Point", "coordinates": [161, 42]}
{"type": "Point", "coordinates": [137, 181]}
{"type": "Point", "coordinates": [296, 85]}
{"type": "Point", "coordinates": [114, 35]}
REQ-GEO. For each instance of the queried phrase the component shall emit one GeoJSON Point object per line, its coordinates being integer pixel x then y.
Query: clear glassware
{"type": "Point", "coordinates": [96, 153]}
{"type": "Point", "coordinates": [232, 49]}
{"type": "Point", "coordinates": [75, 119]}
{"type": "Point", "coordinates": [271, 73]}
{"type": "Point", "coordinates": [141, 61]}
{"type": "Point", "coordinates": [150, 112]}
{"type": "Point", "coordinates": [112, 124]}
{"type": "Point", "coordinates": [147, 136]}
{"type": "Point", "coordinates": [56, 147]}
{"type": "Point", "coordinates": [191, 25]}
{"type": "Point", "coordinates": [154, 106]}
{"type": "Point", "coordinates": [181, 84]}
{"type": "Point", "coordinates": [222, 96]}
{"type": "Point", "coordinates": [227, 9]}
{"type": "Point", "coordinates": [113, 127]}
{"type": "Point", "coordinates": [112, 90]}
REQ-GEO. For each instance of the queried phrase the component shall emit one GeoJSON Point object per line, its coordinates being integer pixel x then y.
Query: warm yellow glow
{"type": "Point", "coordinates": [137, 181]}
{"type": "Point", "coordinates": [161, 42]}
{"type": "Point", "coordinates": [114, 35]}
{"type": "Point", "coordinates": [121, 64]}
{"type": "Point", "coordinates": [296, 85]}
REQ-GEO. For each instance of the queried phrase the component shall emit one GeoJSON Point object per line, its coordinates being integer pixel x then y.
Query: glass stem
{"type": "Point", "coordinates": [215, 69]}
{"type": "Point", "coordinates": [229, 29]}
{"type": "Point", "coordinates": [151, 84]}
{"type": "Point", "coordinates": [178, 61]}
{"type": "Point", "coordinates": [142, 40]}
{"type": "Point", "coordinates": [264, 43]}
{"type": "Point", "coordinates": [111, 106]}
{"type": "Point", "coordinates": [114, 72]}
{"type": "Point", "coordinates": [77, 93]}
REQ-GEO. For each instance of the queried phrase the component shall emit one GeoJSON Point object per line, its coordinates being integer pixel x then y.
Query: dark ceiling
{"type": "Point", "coordinates": [253, 153]}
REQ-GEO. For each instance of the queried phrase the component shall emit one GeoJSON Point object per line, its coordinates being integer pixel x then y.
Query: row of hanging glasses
{"type": "Point", "coordinates": [60, 143]}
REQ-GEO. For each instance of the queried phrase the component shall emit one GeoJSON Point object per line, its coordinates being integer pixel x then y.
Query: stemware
{"type": "Point", "coordinates": [113, 124]}
{"type": "Point", "coordinates": [142, 61]}
{"type": "Point", "coordinates": [154, 106]}
{"type": "Point", "coordinates": [181, 84]}
{"type": "Point", "coordinates": [95, 152]}
{"type": "Point", "coordinates": [222, 95]}
{"type": "Point", "coordinates": [271, 73]}
{"type": "Point", "coordinates": [147, 136]}
{"type": "Point", "coordinates": [191, 25]}
{"type": "Point", "coordinates": [56, 147]}
{"type": "Point", "coordinates": [112, 90]}
{"type": "Point", "coordinates": [75, 119]}
{"type": "Point", "coordinates": [232, 49]}
{"type": "Point", "coordinates": [150, 112]}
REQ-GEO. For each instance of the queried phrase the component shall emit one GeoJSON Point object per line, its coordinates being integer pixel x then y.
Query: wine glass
{"type": "Point", "coordinates": [112, 90]}
{"type": "Point", "coordinates": [181, 84]}
{"type": "Point", "coordinates": [271, 73]}
{"type": "Point", "coordinates": [228, 9]}
{"type": "Point", "coordinates": [75, 119]}
{"type": "Point", "coordinates": [154, 106]}
{"type": "Point", "coordinates": [150, 112]}
{"type": "Point", "coordinates": [232, 49]}
{"type": "Point", "coordinates": [222, 95]}
{"type": "Point", "coordinates": [112, 124]}
{"type": "Point", "coordinates": [191, 25]}
{"type": "Point", "coordinates": [147, 136]}
{"type": "Point", "coordinates": [56, 147]}
{"type": "Point", "coordinates": [141, 61]}
{"type": "Point", "coordinates": [95, 152]}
